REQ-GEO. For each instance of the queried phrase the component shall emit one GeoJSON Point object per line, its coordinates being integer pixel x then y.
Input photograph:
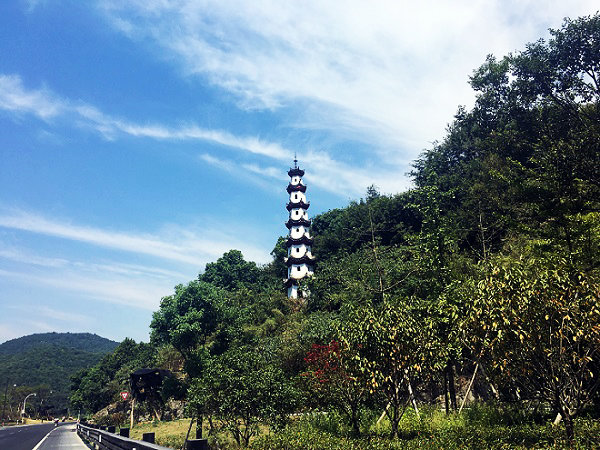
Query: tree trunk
{"type": "Point", "coordinates": [383, 414]}
{"type": "Point", "coordinates": [354, 420]}
{"type": "Point", "coordinates": [394, 433]}
{"type": "Point", "coordinates": [236, 435]}
{"type": "Point", "coordinates": [446, 398]}
{"type": "Point", "coordinates": [569, 428]}
{"type": "Point", "coordinates": [199, 424]}
{"type": "Point", "coordinates": [394, 412]}
{"type": "Point", "coordinates": [451, 387]}
{"type": "Point", "coordinates": [394, 421]}
{"type": "Point", "coordinates": [211, 426]}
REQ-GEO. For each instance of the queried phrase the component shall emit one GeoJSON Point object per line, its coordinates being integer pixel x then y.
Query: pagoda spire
{"type": "Point", "coordinates": [299, 260]}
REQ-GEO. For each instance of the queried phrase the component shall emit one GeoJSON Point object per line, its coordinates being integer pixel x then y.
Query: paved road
{"type": "Point", "coordinates": [26, 437]}
{"type": "Point", "coordinates": [23, 437]}
{"type": "Point", "coordinates": [64, 437]}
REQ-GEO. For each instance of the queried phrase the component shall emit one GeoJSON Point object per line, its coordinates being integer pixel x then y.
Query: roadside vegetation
{"type": "Point", "coordinates": [462, 313]}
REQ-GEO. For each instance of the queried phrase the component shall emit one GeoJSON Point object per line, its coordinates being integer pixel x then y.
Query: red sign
{"type": "Point", "coordinates": [124, 395]}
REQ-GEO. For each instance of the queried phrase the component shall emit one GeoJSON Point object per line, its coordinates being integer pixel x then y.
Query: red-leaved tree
{"type": "Point", "coordinates": [333, 375]}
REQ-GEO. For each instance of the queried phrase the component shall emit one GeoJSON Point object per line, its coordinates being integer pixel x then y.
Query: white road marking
{"type": "Point", "coordinates": [45, 437]}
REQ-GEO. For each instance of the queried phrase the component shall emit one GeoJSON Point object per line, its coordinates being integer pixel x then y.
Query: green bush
{"type": "Point", "coordinates": [483, 426]}
{"type": "Point", "coordinates": [491, 414]}
{"type": "Point", "coordinates": [336, 423]}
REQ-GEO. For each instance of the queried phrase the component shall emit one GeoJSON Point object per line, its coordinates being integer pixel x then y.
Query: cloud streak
{"type": "Point", "coordinates": [327, 173]}
{"type": "Point", "coordinates": [138, 293]}
{"type": "Point", "coordinates": [177, 244]}
{"type": "Point", "coordinates": [16, 98]}
{"type": "Point", "coordinates": [394, 70]}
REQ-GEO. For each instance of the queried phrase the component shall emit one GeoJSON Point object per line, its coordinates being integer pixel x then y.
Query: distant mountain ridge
{"type": "Point", "coordinates": [47, 361]}
{"type": "Point", "coordinates": [86, 342]}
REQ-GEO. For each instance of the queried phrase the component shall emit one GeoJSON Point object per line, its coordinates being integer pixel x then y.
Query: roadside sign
{"type": "Point", "coordinates": [124, 395]}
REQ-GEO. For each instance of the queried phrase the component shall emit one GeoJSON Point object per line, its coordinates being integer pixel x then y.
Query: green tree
{"type": "Point", "coordinates": [94, 388]}
{"type": "Point", "coordinates": [390, 347]}
{"type": "Point", "coordinates": [230, 271]}
{"type": "Point", "coordinates": [186, 320]}
{"type": "Point", "coordinates": [537, 321]}
{"type": "Point", "coordinates": [241, 389]}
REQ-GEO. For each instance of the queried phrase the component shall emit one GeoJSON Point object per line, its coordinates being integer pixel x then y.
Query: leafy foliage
{"type": "Point", "coordinates": [241, 389]}
{"type": "Point", "coordinates": [485, 273]}
{"type": "Point", "coordinates": [48, 359]}
{"type": "Point", "coordinates": [537, 322]}
{"type": "Point", "coordinates": [94, 388]}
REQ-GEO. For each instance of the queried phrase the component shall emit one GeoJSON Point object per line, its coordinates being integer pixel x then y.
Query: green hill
{"type": "Point", "coordinates": [45, 362]}
{"type": "Point", "coordinates": [80, 341]}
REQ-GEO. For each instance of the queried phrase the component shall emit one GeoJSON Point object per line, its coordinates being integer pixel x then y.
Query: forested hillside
{"type": "Point", "coordinates": [86, 342]}
{"type": "Point", "coordinates": [44, 363]}
{"type": "Point", "coordinates": [482, 283]}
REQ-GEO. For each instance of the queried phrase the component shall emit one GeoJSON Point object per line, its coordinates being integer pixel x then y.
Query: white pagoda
{"type": "Point", "coordinates": [300, 261]}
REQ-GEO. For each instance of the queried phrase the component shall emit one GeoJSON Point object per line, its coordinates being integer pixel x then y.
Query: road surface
{"type": "Point", "coordinates": [27, 437]}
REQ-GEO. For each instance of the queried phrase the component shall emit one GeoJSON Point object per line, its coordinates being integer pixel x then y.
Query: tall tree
{"type": "Point", "coordinates": [538, 323]}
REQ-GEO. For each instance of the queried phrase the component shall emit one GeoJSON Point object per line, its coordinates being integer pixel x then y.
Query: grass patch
{"type": "Point", "coordinates": [168, 434]}
{"type": "Point", "coordinates": [172, 433]}
{"type": "Point", "coordinates": [480, 427]}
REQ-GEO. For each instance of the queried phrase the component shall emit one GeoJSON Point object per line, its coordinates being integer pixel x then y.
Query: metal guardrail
{"type": "Point", "coordinates": [104, 440]}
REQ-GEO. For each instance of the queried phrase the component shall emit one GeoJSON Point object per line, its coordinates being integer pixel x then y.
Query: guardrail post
{"type": "Point", "coordinates": [197, 444]}
{"type": "Point", "coordinates": [148, 437]}
{"type": "Point", "coordinates": [111, 429]}
{"type": "Point", "coordinates": [124, 432]}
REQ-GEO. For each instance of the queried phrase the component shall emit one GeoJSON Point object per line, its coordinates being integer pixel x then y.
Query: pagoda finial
{"type": "Point", "coordinates": [295, 161]}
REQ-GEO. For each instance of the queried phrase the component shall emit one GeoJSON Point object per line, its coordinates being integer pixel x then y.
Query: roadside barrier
{"type": "Point", "coordinates": [105, 440]}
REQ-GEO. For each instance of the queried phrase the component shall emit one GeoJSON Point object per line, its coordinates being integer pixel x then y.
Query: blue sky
{"type": "Point", "coordinates": [139, 142]}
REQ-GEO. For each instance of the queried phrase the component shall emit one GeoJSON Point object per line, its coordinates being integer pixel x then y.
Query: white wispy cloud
{"type": "Point", "coordinates": [194, 246]}
{"type": "Point", "coordinates": [30, 258]}
{"type": "Point", "coordinates": [395, 70]}
{"type": "Point", "coordinates": [139, 293]}
{"type": "Point", "coordinates": [17, 255]}
{"type": "Point", "coordinates": [55, 314]}
{"type": "Point", "coordinates": [327, 173]}
{"type": "Point", "coordinates": [16, 98]}
{"type": "Point", "coordinates": [145, 244]}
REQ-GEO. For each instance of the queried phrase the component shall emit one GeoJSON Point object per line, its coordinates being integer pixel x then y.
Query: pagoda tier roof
{"type": "Point", "coordinates": [303, 240]}
{"type": "Point", "coordinates": [296, 171]}
{"type": "Point", "coordinates": [300, 204]}
{"type": "Point", "coordinates": [296, 188]}
{"type": "Point", "coordinates": [302, 260]}
{"type": "Point", "coordinates": [294, 223]}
